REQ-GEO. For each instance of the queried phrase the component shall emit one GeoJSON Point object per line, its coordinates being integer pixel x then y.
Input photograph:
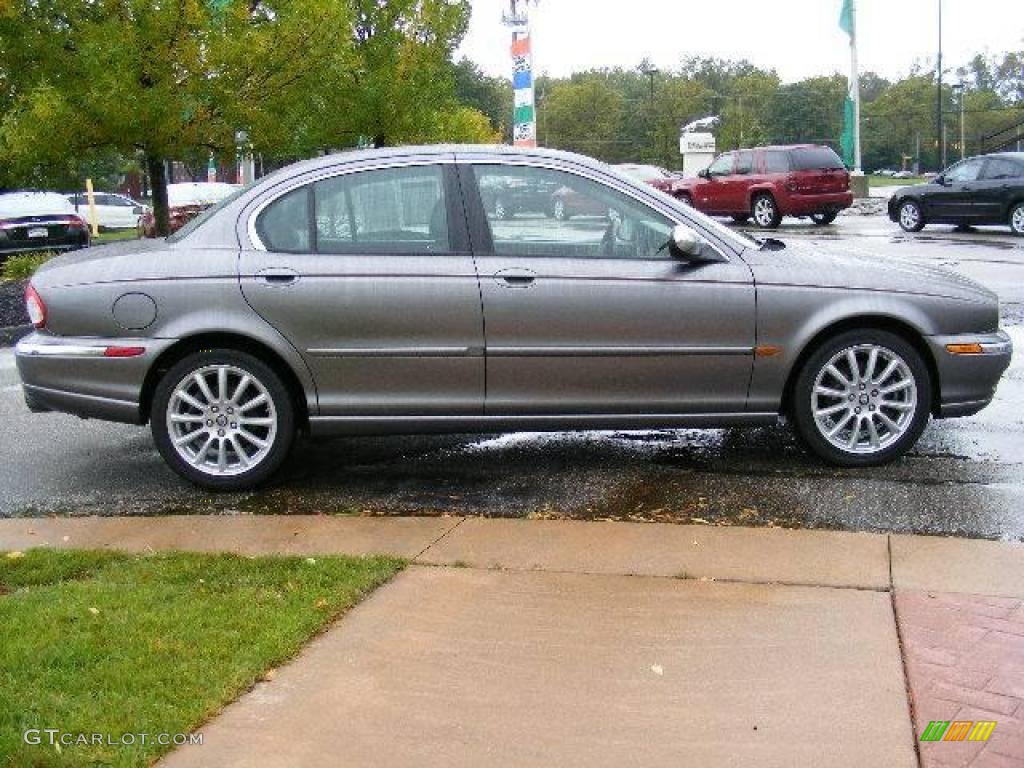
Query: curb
{"type": "Point", "coordinates": [9, 335]}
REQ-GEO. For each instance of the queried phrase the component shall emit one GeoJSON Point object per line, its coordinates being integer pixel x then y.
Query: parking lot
{"type": "Point", "coordinates": [966, 477]}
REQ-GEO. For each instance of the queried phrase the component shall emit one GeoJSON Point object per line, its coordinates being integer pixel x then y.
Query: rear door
{"type": "Point", "coordinates": [1001, 182]}
{"type": "Point", "coordinates": [956, 198]}
{"type": "Point", "coordinates": [593, 316]}
{"type": "Point", "coordinates": [368, 273]}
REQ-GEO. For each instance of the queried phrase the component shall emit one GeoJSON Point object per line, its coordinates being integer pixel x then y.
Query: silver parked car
{"type": "Point", "coordinates": [373, 292]}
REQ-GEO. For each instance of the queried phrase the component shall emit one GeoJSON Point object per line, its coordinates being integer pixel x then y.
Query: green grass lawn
{"type": "Point", "coordinates": [113, 235]}
{"type": "Point", "coordinates": [101, 642]}
{"type": "Point", "coordinates": [888, 181]}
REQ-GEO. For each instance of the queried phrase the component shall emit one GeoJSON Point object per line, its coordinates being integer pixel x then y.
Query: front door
{"type": "Point", "coordinates": [593, 316]}
{"type": "Point", "coordinates": [369, 275]}
{"type": "Point", "coordinates": [711, 194]}
{"type": "Point", "coordinates": [955, 199]}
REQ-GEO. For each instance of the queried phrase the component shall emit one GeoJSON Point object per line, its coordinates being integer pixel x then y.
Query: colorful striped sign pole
{"type": "Point", "coordinates": [524, 113]}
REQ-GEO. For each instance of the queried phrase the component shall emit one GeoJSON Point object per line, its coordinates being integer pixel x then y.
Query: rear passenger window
{"type": "Point", "coordinates": [394, 210]}
{"type": "Point", "coordinates": [1001, 168]}
{"type": "Point", "coordinates": [776, 162]}
{"type": "Point", "coordinates": [744, 162]}
{"type": "Point", "coordinates": [284, 225]}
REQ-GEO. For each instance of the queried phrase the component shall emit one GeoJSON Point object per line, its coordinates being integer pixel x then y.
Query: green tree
{"type": "Point", "coordinates": [584, 115]}
{"type": "Point", "coordinates": [490, 95]}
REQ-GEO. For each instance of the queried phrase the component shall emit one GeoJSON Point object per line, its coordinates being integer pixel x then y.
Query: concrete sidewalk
{"type": "Point", "coordinates": [518, 643]}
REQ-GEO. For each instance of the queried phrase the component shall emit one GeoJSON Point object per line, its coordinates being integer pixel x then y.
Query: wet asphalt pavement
{"type": "Point", "coordinates": [965, 478]}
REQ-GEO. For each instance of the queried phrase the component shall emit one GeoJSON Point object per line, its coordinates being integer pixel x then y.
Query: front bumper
{"type": "Point", "coordinates": [968, 380]}
{"type": "Point", "coordinates": [74, 375]}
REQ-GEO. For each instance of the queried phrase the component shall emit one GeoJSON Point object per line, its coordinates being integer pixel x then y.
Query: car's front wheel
{"type": "Point", "coordinates": [862, 398]}
{"type": "Point", "coordinates": [910, 216]}
{"type": "Point", "coordinates": [223, 419]}
{"type": "Point", "coordinates": [1017, 219]}
{"type": "Point", "coordinates": [766, 212]}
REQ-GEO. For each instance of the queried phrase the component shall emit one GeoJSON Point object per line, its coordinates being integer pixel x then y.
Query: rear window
{"type": "Point", "coordinates": [815, 159]}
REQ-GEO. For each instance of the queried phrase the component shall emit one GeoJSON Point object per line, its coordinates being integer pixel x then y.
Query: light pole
{"type": "Point", "coordinates": [650, 71]}
{"type": "Point", "coordinates": [961, 89]}
{"type": "Point", "coordinates": [939, 135]}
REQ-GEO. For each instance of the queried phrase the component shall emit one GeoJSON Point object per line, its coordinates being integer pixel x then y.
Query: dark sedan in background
{"type": "Point", "coordinates": [40, 221]}
{"type": "Point", "coordinates": [988, 189]}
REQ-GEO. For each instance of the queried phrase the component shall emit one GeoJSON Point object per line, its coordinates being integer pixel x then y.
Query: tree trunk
{"type": "Point", "coordinates": [158, 183]}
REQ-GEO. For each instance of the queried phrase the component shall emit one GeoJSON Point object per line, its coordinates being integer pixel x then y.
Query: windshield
{"type": "Point", "coordinates": [33, 204]}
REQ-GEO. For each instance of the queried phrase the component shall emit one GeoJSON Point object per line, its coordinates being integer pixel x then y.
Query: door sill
{"type": "Point", "coordinates": [415, 425]}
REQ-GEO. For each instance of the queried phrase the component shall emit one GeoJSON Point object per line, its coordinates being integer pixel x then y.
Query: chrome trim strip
{"type": "Point", "coordinates": [34, 349]}
{"type": "Point", "coordinates": [634, 351]}
{"type": "Point", "coordinates": [996, 347]}
{"type": "Point", "coordinates": [396, 352]}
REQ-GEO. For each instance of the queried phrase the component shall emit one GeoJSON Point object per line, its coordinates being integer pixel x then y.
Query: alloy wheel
{"type": "Point", "coordinates": [1017, 220]}
{"type": "Point", "coordinates": [864, 399]}
{"type": "Point", "coordinates": [764, 212]}
{"type": "Point", "coordinates": [222, 420]}
{"type": "Point", "coordinates": [910, 216]}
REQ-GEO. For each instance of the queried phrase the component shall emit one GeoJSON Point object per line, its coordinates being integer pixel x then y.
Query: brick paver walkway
{"type": "Point", "coordinates": [965, 660]}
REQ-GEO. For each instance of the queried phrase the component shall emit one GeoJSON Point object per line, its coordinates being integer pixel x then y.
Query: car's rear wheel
{"type": "Point", "coordinates": [223, 419]}
{"type": "Point", "coordinates": [862, 398]}
{"type": "Point", "coordinates": [911, 217]}
{"type": "Point", "coordinates": [824, 218]}
{"type": "Point", "coordinates": [765, 211]}
{"type": "Point", "coordinates": [1017, 219]}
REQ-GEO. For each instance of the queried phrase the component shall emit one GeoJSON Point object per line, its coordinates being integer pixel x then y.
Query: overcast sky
{"type": "Point", "coordinates": [798, 38]}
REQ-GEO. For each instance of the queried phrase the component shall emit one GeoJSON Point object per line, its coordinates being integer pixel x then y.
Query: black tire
{"type": "Point", "coordinates": [765, 211]}
{"type": "Point", "coordinates": [685, 199]}
{"type": "Point", "coordinates": [910, 216]}
{"type": "Point", "coordinates": [824, 219]}
{"type": "Point", "coordinates": [893, 445]}
{"type": "Point", "coordinates": [280, 440]}
{"type": "Point", "coordinates": [1017, 219]}
{"type": "Point", "coordinates": [741, 218]}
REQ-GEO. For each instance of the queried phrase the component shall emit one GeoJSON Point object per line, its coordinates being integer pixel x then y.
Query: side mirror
{"type": "Point", "coordinates": [942, 181]}
{"type": "Point", "coordinates": [704, 173]}
{"type": "Point", "coordinates": [686, 244]}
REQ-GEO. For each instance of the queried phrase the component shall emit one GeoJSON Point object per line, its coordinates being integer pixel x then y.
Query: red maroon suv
{"type": "Point", "coordinates": [768, 183]}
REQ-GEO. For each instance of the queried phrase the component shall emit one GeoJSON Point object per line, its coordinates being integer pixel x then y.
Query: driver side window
{"type": "Point", "coordinates": [965, 171]}
{"type": "Point", "coordinates": [544, 212]}
{"type": "Point", "coordinates": [722, 166]}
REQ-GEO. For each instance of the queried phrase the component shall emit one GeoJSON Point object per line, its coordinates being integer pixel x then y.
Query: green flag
{"type": "Point", "coordinates": [846, 17]}
{"type": "Point", "coordinates": [847, 141]}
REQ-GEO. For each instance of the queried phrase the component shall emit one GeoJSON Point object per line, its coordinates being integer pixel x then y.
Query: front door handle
{"type": "Point", "coordinates": [278, 276]}
{"type": "Point", "coordinates": [515, 278]}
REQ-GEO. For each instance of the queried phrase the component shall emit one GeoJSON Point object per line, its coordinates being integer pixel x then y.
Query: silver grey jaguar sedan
{"type": "Point", "coordinates": [385, 292]}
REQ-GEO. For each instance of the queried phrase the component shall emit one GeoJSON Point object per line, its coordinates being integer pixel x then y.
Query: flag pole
{"type": "Point", "coordinates": [855, 87]}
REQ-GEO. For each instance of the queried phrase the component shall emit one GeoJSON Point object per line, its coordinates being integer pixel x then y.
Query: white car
{"type": "Point", "coordinates": [112, 211]}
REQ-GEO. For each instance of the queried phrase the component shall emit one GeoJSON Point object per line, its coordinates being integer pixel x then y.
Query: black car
{"type": "Point", "coordinates": [40, 221]}
{"type": "Point", "coordinates": [979, 190]}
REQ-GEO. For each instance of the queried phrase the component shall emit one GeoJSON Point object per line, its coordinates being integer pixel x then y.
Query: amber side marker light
{"type": "Point", "coordinates": [767, 350]}
{"type": "Point", "coordinates": [965, 349]}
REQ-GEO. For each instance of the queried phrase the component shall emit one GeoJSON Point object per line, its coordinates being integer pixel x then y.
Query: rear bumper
{"type": "Point", "coordinates": [9, 247]}
{"type": "Point", "coordinates": [967, 382]}
{"type": "Point", "coordinates": [72, 375]}
{"type": "Point", "coordinates": [804, 205]}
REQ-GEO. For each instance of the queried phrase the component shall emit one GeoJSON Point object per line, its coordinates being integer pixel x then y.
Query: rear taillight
{"type": "Point", "coordinates": [78, 223]}
{"type": "Point", "coordinates": [35, 307]}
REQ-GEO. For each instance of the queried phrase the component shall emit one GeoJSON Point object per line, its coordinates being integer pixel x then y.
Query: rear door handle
{"type": "Point", "coordinates": [277, 276]}
{"type": "Point", "coordinates": [516, 278]}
